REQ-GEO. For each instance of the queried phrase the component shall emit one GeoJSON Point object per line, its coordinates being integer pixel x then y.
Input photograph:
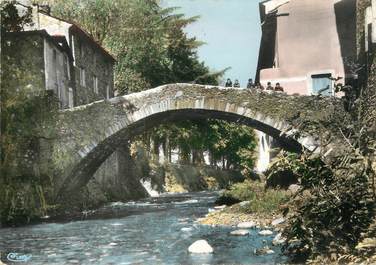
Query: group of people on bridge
{"type": "Point", "coordinates": [252, 85]}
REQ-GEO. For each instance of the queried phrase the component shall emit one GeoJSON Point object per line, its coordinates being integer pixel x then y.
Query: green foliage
{"type": "Point", "coordinates": [24, 117]}
{"type": "Point", "coordinates": [148, 41]}
{"type": "Point", "coordinates": [224, 141]}
{"type": "Point", "coordinates": [11, 19]}
{"type": "Point", "coordinates": [261, 200]}
{"type": "Point", "coordinates": [331, 210]}
{"type": "Point", "coordinates": [300, 167]}
{"type": "Point", "coordinates": [27, 111]}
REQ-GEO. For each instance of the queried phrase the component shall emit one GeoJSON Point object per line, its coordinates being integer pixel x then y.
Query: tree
{"type": "Point", "coordinates": [26, 110]}
{"type": "Point", "coordinates": [148, 41]}
{"type": "Point", "coordinates": [11, 19]}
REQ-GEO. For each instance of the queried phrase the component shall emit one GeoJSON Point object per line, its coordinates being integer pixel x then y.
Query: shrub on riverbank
{"type": "Point", "coordinates": [260, 199]}
{"type": "Point", "coordinates": [330, 212]}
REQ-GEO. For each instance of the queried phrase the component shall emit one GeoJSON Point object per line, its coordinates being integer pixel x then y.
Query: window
{"type": "Point", "coordinates": [82, 77]}
{"type": "Point", "coordinates": [54, 65]}
{"type": "Point", "coordinates": [107, 91]}
{"type": "Point", "coordinates": [66, 67]}
{"type": "Point", "coordinates": [82, 50]}
{"type": "Point", "coordinates": [70, 98]}
{"type": "Point", "coordinates": [322, 84]}
{"type": "Point", "coordinates": [95, 84]}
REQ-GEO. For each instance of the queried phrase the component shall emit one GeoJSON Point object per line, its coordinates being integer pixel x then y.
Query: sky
{"type": "Point", "coordinates": [231, 30]}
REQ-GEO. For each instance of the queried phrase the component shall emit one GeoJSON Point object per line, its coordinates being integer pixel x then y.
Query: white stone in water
{"type": "Point", "coordinates": [211, 210]}
{"type": "Point", "coordinates": [240, 232]}
{"type": "Point", "coordinates": [278, 240]}
{"type": "Point", "coordinates": [278, 221]}
{"type": "Point", "coordinates": [220, 207]}
{"type": "Point", "coordinates": [263, 251]}
{"type": "Point", "coordinates": [250, 224]}
{"type": "Point", "coordinates": [200, 247]}
{"type": "Point", "coordinates": [186, 229]}
{"type": "Point", "coordinates": [265, 233]}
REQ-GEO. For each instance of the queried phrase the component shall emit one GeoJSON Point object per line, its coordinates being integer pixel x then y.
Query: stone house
{"type": "Point", "coordinates": [41, 62]}
{"type": "Point", "coordinates": [89, 67]}
{"type": "Point", "coordinates": [306, 44]}
{"type": "Point", "coordinates": [92, 64]}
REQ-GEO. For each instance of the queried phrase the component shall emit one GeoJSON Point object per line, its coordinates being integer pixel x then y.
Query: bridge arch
{"type": "Point", "coordinates": [90, 133]}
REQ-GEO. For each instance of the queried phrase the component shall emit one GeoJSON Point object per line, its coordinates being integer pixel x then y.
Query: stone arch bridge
{"type": "Point", "coordinates": [88, 134]}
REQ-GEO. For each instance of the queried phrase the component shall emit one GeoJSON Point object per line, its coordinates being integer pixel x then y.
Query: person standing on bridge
{"type": "Point", "coordinates": [236, 83]}
{"type": "Point", "coordinates": [278, 87]}
{"type": "Point", "coordinates": [269, 86]}
{"type": "Point", "coordinates": [250, 83]}
{"type": "Point", "coordinates": [228, 83]}
{"type": "Point", "coordinates": [259, 86]}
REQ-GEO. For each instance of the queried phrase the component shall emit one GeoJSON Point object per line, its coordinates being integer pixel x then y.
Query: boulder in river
{"type": "Point", "coordinates": [187, 229]}
{"type": "Point", "coordinates": [240, 232]}
{"type": "Point", "coordinates": [265, 233]}
{"type": "Point", "coordinates": [278, 221]}
{"type": "Point", "coordinates": [263, 251]}
{"type": "Point", "coordinates": [200, 247]}
{"type": "Point", "coordinates": [221, 207]}
{"type": "Point", "coordinates": [278, 240]}
{"type": "Point", "coordinates": [250, 224]}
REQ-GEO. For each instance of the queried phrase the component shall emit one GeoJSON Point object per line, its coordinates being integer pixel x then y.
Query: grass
{"type": "Point", "coordinates": [261, 200]}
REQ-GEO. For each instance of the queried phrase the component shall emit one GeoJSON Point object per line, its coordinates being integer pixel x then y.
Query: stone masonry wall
{"type": "Point", "coordinates": [89, 134]}
{"type": "Point", "coordinates": [96, 64]}
{"type": "Point", "coordinates": [118, 178]}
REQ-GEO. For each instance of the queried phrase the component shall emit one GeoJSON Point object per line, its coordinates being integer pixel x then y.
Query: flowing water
{"type": "Point", "coordinates": [152, 231]}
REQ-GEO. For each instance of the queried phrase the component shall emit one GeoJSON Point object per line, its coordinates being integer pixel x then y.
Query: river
{"type": "Point", "coordinates": [152, 231]}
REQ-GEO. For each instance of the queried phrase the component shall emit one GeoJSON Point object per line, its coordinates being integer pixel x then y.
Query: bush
{"type": "Point", "coordinates": [261, 200]}
{"type": "Point", "coordinates": [334, 209]}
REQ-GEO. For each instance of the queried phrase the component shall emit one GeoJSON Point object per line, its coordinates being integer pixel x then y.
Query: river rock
{"type": "Point", "coordinates": [250, 224]}
{"type": "Point", "coordinates": [244, 203]}
{"type": "Point", "coordinates": [240, 232]}
{"type": "Point", "coordinates": [278, 221]}
{"type": "Point", "coordinates": [186, 229]}
{"type": "Point", "coordinates": [263, 251]}
{"type": "Point", "coordinates": [265, 233]}
{"type": "Point", "coordinates": [278, 240]}
{"type": "Point", "coordinates": [221, 207]}
{"type": "Point", "coordinates": [200, 247]}
{"type": "Point", "coordinates": [294, 188]}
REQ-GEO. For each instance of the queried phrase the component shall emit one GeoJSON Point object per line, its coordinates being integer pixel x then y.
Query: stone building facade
{"type": "Point", "coordinates": [92, 64]}
{"type": "Point", "coordinates": [76, 67]}
{"type": "Point", "coordinates": [41, 62]}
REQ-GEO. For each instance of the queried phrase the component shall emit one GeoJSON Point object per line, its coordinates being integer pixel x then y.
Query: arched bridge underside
{"type": "Point", "coordinates": [89, 134]}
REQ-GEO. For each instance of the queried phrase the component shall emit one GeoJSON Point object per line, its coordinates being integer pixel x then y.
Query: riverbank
{"type": "Point", "coordinates": [254, 204]}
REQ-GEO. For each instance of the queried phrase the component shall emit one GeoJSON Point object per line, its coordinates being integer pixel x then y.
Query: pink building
{"type": "Point", "coordinates": [307, 43]}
